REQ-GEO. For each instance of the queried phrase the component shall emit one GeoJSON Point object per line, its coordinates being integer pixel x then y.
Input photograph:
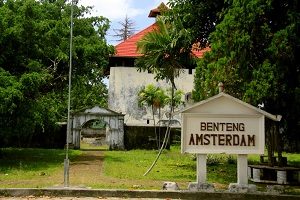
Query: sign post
{"type": "Point", "coordinates": [201, 168]}
{"type": "Point", "coordinates": [242, 169]}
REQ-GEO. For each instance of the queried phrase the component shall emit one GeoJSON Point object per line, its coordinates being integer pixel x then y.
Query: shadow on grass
{"type": "Point", "coordinates": [94, 149]}
{"type": "Point", "coordinates": [87, 158]}
{"type": "Point", "coordinates": [110, 158]}
{"type": "Point", "coordinates": [184, 177]}
{"type": "Point", "coordinates": [188, 167]}
{"type": "Point", "coordinates": [32, 159]}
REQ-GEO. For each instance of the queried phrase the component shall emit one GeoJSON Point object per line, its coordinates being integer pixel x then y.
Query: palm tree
{"type": "Point", "coordinates": [153, 97]}
{"type": "Point", "coordinates": [177, 98]}
{"type": "Point", "coordinates": [165, 52]}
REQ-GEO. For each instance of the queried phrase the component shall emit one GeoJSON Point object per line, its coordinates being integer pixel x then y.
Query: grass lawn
{"type": "Point", "coordinates": [31, 167]}
{"type": "Point", "coordinates": [116, 169]}
{"type": "Point", "coordinates": [172, 166]}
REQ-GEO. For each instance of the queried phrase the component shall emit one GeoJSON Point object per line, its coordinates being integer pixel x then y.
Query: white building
{"type": "Point", "coordinates": [125, 81]}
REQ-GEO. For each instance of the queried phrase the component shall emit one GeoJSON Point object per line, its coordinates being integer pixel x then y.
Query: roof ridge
{"type": "Point", "coordinates": [136, 33]}
{"type": "Point", "coordinates": [128, 47]}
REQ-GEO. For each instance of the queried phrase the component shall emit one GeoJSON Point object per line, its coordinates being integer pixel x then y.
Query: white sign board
{"type": "Point", "coordinates": [222, 133]}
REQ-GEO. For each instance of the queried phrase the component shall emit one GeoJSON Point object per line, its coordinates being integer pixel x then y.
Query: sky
{"type": "Point", "coordinates": [116, 10]}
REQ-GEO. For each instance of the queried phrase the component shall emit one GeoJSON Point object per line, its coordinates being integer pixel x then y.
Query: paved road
{"type": "Point", "coordinates": [74, 198]}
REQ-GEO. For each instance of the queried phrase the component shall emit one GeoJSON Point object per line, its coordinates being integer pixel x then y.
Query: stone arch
{"type": "Point", "coordinates": [94, 132]}
{"type": "Point", "coordinates": [114, 121]}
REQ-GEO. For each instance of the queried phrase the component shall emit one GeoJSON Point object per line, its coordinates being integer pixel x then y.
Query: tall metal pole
{"type": "Point", "coordinates": [66, 161]}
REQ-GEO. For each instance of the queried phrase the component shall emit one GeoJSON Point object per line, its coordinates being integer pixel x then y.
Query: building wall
{"type": "Point", "coordinates": [126, 82]}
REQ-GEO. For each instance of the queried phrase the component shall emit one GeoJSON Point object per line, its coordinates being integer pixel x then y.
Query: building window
{"type": "Point", "coordinates": [188, 97]}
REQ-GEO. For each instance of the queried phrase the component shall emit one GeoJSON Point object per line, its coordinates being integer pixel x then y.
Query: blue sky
{"type": "Point", "coordinates": [116, 10]}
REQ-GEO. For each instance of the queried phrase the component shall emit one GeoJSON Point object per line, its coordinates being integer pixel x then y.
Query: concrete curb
{"type": "Point", "coordinates": [79, 192]}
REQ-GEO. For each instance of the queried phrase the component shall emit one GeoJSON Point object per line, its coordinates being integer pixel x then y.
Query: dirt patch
{"type": "Point", "coordinates": [87, 168]}
{"type": "Point", "coordinates": [86, 171]}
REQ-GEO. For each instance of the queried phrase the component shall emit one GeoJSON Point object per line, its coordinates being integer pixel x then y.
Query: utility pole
{"type": "Point", "coordinates": [66, 161]}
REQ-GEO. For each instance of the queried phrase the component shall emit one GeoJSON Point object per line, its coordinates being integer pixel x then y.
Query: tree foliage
{"type": "Point", "coordinates": [177, 98]}
{"type": "Point", "coordinates": [254, 48]}
{"type": "Point", "coordinates": [152, 96]}
{"type": "Point", "coordinates": [197, 16]}
{"type": "Point", "coordinates": [34, 56]}
{"type": "Point", "coordinates": [165, 51]}
{"type": "Point", "coordinates": [157, 98]}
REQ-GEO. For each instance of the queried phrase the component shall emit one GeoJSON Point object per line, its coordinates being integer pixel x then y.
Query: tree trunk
{"type": "Point", "coordinates": [154, 125]}
{"type": "Point", "coordinates": [279, 146]}
{"type": "Point", "coordinates": [167, 135]}
{"type": "Point", "coordinates": [159, 117]}
{"type": "Point", "coordinates": [270, 143]}
{"type": "Point", "coordinates": [171, 114]}
{"type": "Point", "coordinates": [172, 100]}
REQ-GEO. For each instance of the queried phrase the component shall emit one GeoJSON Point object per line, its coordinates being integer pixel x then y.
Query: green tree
{"type": "Point", "coordinates": [254, 53]}
{"type": "Point", "coordinates": [154, 97]}
{"type": "Point", "coordinates": [198, 16]}
{"type": "Point", "coordinates": [34, 49]}
{"type": "Point", "coordinates": [165, 52]}
{"type": "Point", "coordinates": [177, 98]}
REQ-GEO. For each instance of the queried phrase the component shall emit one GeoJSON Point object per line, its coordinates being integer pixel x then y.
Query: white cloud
{"type": "Point", "coordinates": [116, 10]}
{"type": "Point", "coordinates": [113, 9]}
{"type": "Point", "coordinates": [158, 2]}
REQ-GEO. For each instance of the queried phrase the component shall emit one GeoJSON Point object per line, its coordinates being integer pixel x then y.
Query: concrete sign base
{"type": "Point", "coordinates": [242, 188]}
{"type": "Point", "coordinates": [203, 187]}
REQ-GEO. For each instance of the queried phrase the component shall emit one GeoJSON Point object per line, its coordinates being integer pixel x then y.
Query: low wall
{"type": "Point", "coordinates": [69, 192]}
{"type": "Point", "coordinates": [143, 137]}
{"type": "Point", "coordinates": [90, 132]}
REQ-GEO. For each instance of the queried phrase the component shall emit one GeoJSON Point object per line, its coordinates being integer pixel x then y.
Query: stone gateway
{"type": "Point", "coordinates": [114, 126]}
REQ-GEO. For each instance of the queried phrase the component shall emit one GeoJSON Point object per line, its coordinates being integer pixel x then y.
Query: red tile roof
{"type": "Point", "coordinates": [199, 53]}
{"type": "Point", "coordinates": [128, 48]}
